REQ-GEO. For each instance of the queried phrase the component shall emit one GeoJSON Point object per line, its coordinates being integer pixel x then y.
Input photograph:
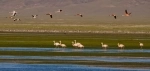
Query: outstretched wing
{"type": "Point", "coordinates": [51, 16]}
{"type": "Point", "coordinates": [115, 17]}
{"type": "Point", "coordinates": [126, 11]}
{"type": "Point", "coordinates": [129, 13]}
{"type": "Point", "coordinates": [32, 15]}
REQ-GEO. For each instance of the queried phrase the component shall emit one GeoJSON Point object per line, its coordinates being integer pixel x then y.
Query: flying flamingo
{"type": "Point", "coordinates": [59, 11]}
{"type": "Point", "coordinates": [104, 45]}
{"type": "Point", "coordinates": [141, 45]}
{"type": "Point", "coordinates": [126, 13]}
{"type": "Point", "coordinates": [77, 42]}
{"type": "Point", "coordinates": [80, 15]}
{"type": "Point", "coordinates": [121, 46]}
{"type": "Point", "coordinates": [13, 13]}
{"type": "Point", "coordinates": [62, 45]}
{"type": "Point", "coordinates": [51, 16]}
{"type": "Point", "coordinates": [114, 16]}
{"type": "Point", "coordinates": [17, 19]}
{"type": "Point", "coordinates": [34, 16]}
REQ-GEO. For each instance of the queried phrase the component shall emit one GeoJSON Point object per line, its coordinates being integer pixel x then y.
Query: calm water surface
{"type": "Point", "coordinates": [89, 58]}
{"type": "Point", "coordinates": [74, 50]}
{"type": "Point", "coordinates": [60, 67]}
{"type": "Point", "coordinates": [72, 67]}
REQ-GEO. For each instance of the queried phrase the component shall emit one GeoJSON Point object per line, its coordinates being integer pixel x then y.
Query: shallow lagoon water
{"type": "Point", "coordinates": [74, 50]}
{"type": "Point", "coordinates": [60, 67]}
{"type": "Point", "coordinates": [91, 58]}
{"type": "Point", "coordinates": [72, 67]}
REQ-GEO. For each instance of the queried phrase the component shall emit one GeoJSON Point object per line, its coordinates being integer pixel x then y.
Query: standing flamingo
{"type": "Point", "coordinates": [62, 45]}
{"type": "Point", "coordinates": [80, 46]}
{"type": "Point", "coordinates": [121, 46]}
{"type": "Point", "coordinates": [74, 45]}
{"type": "Point", "coordinates": [104, 45]}
{"type": "Point", "coordinates": [77, 42]}
{"type": "Point", "coordinates": [56, 44]}
{"type": "Point", "coordinates": [141, 45]}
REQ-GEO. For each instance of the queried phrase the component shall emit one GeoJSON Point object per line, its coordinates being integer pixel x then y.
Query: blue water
{"type": "Point", "coordinates": [91, 58]}
{"type": "Point", "coordinates": [74, 50]}
{"type": "Point", "coordinates": [60, 67]}
{"type": "Point", "coordinates": [71, 67]}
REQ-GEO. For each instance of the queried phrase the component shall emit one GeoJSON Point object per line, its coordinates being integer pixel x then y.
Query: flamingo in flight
{"type": "Point", "coordinates": [13, 13]}
{"type": "Point", "coordinates": [114, 16]}
{"type": "Point", "coordinates": [126, 13]}
{"type": "Point", "coordinates": [34, 16]}
{"type": "Point", "coordinates": [17, 19]}
{"type": "Point", "coordinates": [80, 15]}
{"type": "Point", "coordinates": [60, 10]}
{"type": "Point", "coordinates": [51, 16]}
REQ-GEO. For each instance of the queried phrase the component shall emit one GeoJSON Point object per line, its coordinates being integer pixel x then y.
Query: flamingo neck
{"type": "Point", "coordinates": [60, 42]}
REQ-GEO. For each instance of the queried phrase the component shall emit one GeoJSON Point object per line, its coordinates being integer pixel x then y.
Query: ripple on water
{"type": "Point", "coordinates": [60, 67]}
{"type": "Point", "coordinates": [90, 58]}
{"type": "Point", "coordinates": [74, 50]}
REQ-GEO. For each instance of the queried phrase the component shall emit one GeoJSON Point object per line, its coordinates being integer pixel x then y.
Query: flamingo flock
{"type": "Point", "coordinates": [14, 13]}
{"type": "Point", "coordinates": [76, 44]}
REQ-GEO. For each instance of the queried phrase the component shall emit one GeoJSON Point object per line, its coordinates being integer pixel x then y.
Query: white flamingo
{"type": "Point", "coordinates": [121, 46]}
{"type": "Point", "coordinates": [56, 44]}
{"type": "Point", "coordinates": [62, 45]}
{"type": "Point", "coordinates": [74, 45]}
{"type": "Point", "coordinates": [13, 13]}
{"type": "Point", "coordinates": [141, 45]}
{"type": "Point", "coordinates": [80, 46]}
{"type": "Point", "coordinates": [104, 45]}
{"type": "Point", "coordinates": [76, 42]}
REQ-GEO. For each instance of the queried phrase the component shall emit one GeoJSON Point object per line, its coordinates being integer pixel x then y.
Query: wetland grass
{"type": "Point", "coordinates": [131, 41]}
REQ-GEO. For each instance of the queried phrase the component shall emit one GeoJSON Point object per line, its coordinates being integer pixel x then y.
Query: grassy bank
{"type": "Point", "coordinates": [89, 40]}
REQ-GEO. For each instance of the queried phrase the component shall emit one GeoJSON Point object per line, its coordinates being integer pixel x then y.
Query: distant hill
{"type": "Point", "coordinates": [90, 7]}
